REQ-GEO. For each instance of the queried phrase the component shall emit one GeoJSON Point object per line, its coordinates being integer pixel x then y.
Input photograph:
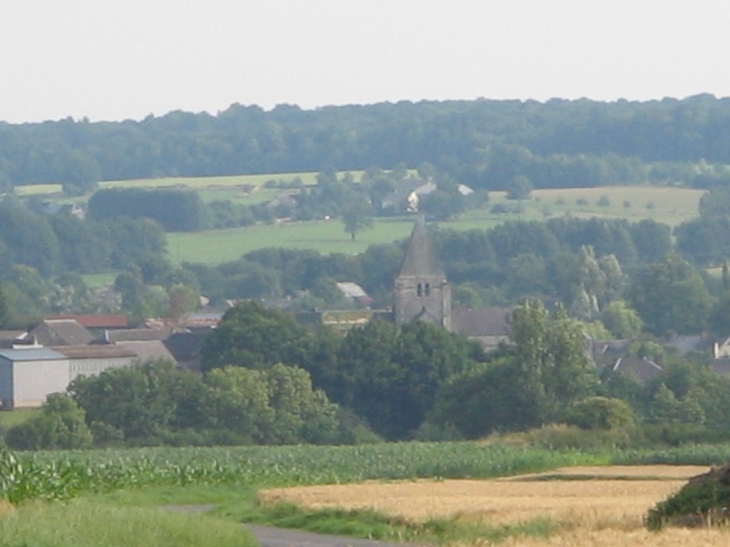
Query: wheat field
{"type": "Point", "coordinates": [599, 507]}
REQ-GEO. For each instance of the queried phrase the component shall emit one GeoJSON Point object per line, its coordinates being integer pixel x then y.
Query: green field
{"type": "Point", "coordinates": [667, 205]}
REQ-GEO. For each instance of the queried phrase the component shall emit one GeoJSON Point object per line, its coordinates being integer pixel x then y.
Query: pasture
{"type": "Point", "coordinates": [667, 205]}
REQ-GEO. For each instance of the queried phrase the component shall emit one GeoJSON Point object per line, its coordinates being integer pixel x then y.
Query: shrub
{"type": "Point", "coordinates": [601, 413]}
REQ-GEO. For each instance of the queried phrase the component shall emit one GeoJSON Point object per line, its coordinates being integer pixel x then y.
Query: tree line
{"type": "Point", "coordinates": [269, 380]}
{"type": "Point", "coordinates": [482, 143]}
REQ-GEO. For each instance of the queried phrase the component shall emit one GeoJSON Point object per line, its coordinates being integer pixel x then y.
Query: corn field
{"type": "Point", "coordinates": [64, 475]}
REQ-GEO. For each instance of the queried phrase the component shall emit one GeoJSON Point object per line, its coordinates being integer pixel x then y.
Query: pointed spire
{"type": "Point", "coordinates": [421, 259]}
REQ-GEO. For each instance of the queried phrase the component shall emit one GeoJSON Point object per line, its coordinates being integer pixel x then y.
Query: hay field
{"type": "Point", "coordinates": [598, 506]}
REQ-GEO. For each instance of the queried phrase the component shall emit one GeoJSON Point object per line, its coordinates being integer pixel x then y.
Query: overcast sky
{"type": "Point", "coordinates": [117, 59]}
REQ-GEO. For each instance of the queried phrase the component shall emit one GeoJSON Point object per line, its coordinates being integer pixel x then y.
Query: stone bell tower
{"type": "Point", "coordinates": [421, 291]}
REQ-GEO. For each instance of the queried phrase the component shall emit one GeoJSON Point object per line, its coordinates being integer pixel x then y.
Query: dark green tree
{"type": "Point", "coordinates": [253, 337]}
{"type": "Point", "coordinates": [671, 296]}
{"type": "Point", "coordinates": [549, 352]}
{"type": "Point", "coordinates": [357, 215]}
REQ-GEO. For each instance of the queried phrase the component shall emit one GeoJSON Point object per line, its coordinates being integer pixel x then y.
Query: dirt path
{"type": "Point", "coordinates": [268, 536]}
{"type": "Point", "coordinates": [280, 537]}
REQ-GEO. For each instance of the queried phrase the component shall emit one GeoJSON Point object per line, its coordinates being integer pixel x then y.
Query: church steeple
{"type": "Point", "coordinates": [421, 258]}
{"type": "Point", "coordinates": [421, 291]}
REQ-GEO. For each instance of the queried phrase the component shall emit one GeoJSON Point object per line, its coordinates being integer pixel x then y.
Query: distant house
{"type": "Point", "coordinates": [489, 327]}
{"type": "Point", "coordinates": [60, 332]}
{"type": "Point", "coordinates": [686, 343]}
{"type": "Point", "coordinates": [148, 350]}
{"type": "Point", "coordinates": [407, 196]}
{"type": "Point", "coordinates": [9, 338]}
{"type": "Point", "coordinates": [93, 360]}
{"type": "Point", "coordinates": [642, 369]}
{"type": "Point", "coordinates": [355, 292]}
{"type": "Point", "coordinates": [186, 348]}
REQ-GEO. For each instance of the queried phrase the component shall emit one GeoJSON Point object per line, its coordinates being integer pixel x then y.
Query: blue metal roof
{"type": "Point", "coordinates": [31, 354]}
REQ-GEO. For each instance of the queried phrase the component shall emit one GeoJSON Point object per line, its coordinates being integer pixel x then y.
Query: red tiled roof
{"type": "Point", "coordinates": [97, 321]}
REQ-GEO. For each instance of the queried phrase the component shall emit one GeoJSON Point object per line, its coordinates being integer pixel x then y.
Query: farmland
{"type": "Point", "coordinates": [596, 506]}
{"type": "Point", "coordinates": [229, 476]}
{"type": "Point", "coordinates": [667, 205]}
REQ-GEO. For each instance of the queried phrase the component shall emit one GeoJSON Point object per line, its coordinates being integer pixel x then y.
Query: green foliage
{"type": "Point", "coordinates": [569, 437]}
{"type": "Point", "coordinates": [621, 320]}
{"type": "Point", "coordinates": [253, 337]}
{"type": "Point", "coordinates": [61, 425]}
{"type": "Point", "coordinates": [701, 502]}
{"type": "Point", "coordinates": [357, 216]}
{"type": "Point", "coordinates": [671, 296]}
{"type": "Point", "coordinates": [549, 352]}
{"type": "Point", "coordinates": [519, 188]}
{"type": "Point", "coordinates": [139, 402]}
{"type": "Point", "coordinates": [175, 210]}
{"type": "Point", "coordinates": [601, 413]}
{"type": "Point", "coordinates": [276, 406]}
{"type": "Point", "coordinates": [390, 376]}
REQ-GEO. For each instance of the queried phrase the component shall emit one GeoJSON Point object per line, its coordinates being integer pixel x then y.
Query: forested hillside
{"type": "Point", "coordinates": [485, 143]}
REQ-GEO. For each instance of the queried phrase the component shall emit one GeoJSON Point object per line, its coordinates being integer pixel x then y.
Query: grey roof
{"type": "Point", "coordinates": [61, 332]}
{"type": "Point", "coordinates": [488, 322]}
{"type": "Point", "coordinates": [185, 347]}
{"type": "Point", "coordinates": [148, 350]}
{"type": "Point", "coordinates": [31, 354]}
{"type": "Point", "coordinates": [94, 352]}
{"type": "Point", "coordinates": [640, 368]}
{"type": "Point", "coordinates": [720, 366]}
{"type": "Point", "coordinates": [686, 343]}
{"type": "Point", "coordinates": [421, 259]}
{"type": "Point", "coordinates": [137, 335]}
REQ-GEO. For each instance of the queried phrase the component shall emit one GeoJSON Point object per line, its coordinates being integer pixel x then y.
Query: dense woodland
{"type": "Point", "coordinates": [482, 143]}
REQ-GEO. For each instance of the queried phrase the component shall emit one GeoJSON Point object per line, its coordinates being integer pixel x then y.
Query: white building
{"type": "Point", "coordinates": [30, 374]}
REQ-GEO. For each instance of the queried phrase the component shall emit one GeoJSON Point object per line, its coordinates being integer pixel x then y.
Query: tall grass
{"type": "Point", "coordinates": [86, 524]}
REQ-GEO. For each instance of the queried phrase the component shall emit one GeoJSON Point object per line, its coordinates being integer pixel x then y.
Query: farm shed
{"type": "Point", "coordinates": [93, 360]}
{"type": "Point", "coordinates": [29, 375]}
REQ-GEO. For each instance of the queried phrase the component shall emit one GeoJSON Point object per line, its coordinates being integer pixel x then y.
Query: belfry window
{"type": "Point", "coordinates": [419, 290]}
{"type": "Point", "coordinates": [427, 289]}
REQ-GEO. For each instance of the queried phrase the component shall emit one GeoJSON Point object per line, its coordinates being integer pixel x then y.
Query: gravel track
{"type": "Point", "coordinates": [269, 536]}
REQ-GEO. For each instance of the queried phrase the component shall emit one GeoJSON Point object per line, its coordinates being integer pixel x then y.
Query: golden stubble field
{"type": "Point", "coordinates": [602, 506]}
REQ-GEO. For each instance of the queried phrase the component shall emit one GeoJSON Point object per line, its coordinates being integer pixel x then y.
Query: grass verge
{"type": "Point", "coordinates": [363, 523]}
{"type": "Point", "coordinates": [239, 505]}
{"type": "Point", "coordinates": [85, 524]}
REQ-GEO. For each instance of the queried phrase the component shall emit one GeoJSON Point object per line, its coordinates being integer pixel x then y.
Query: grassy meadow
{"type": "Point", "coordinates": [667, 205]}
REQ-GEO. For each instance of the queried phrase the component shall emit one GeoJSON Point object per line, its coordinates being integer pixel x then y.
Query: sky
{"type": "Point", "coordinates": [127, 59]}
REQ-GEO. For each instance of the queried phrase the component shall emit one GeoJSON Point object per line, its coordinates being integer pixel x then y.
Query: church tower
{"type": "Point", "coordinates": [421, 291]}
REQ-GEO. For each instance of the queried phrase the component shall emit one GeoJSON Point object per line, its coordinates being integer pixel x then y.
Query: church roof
{"type": "Point", "coordinates": [421, 259]}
